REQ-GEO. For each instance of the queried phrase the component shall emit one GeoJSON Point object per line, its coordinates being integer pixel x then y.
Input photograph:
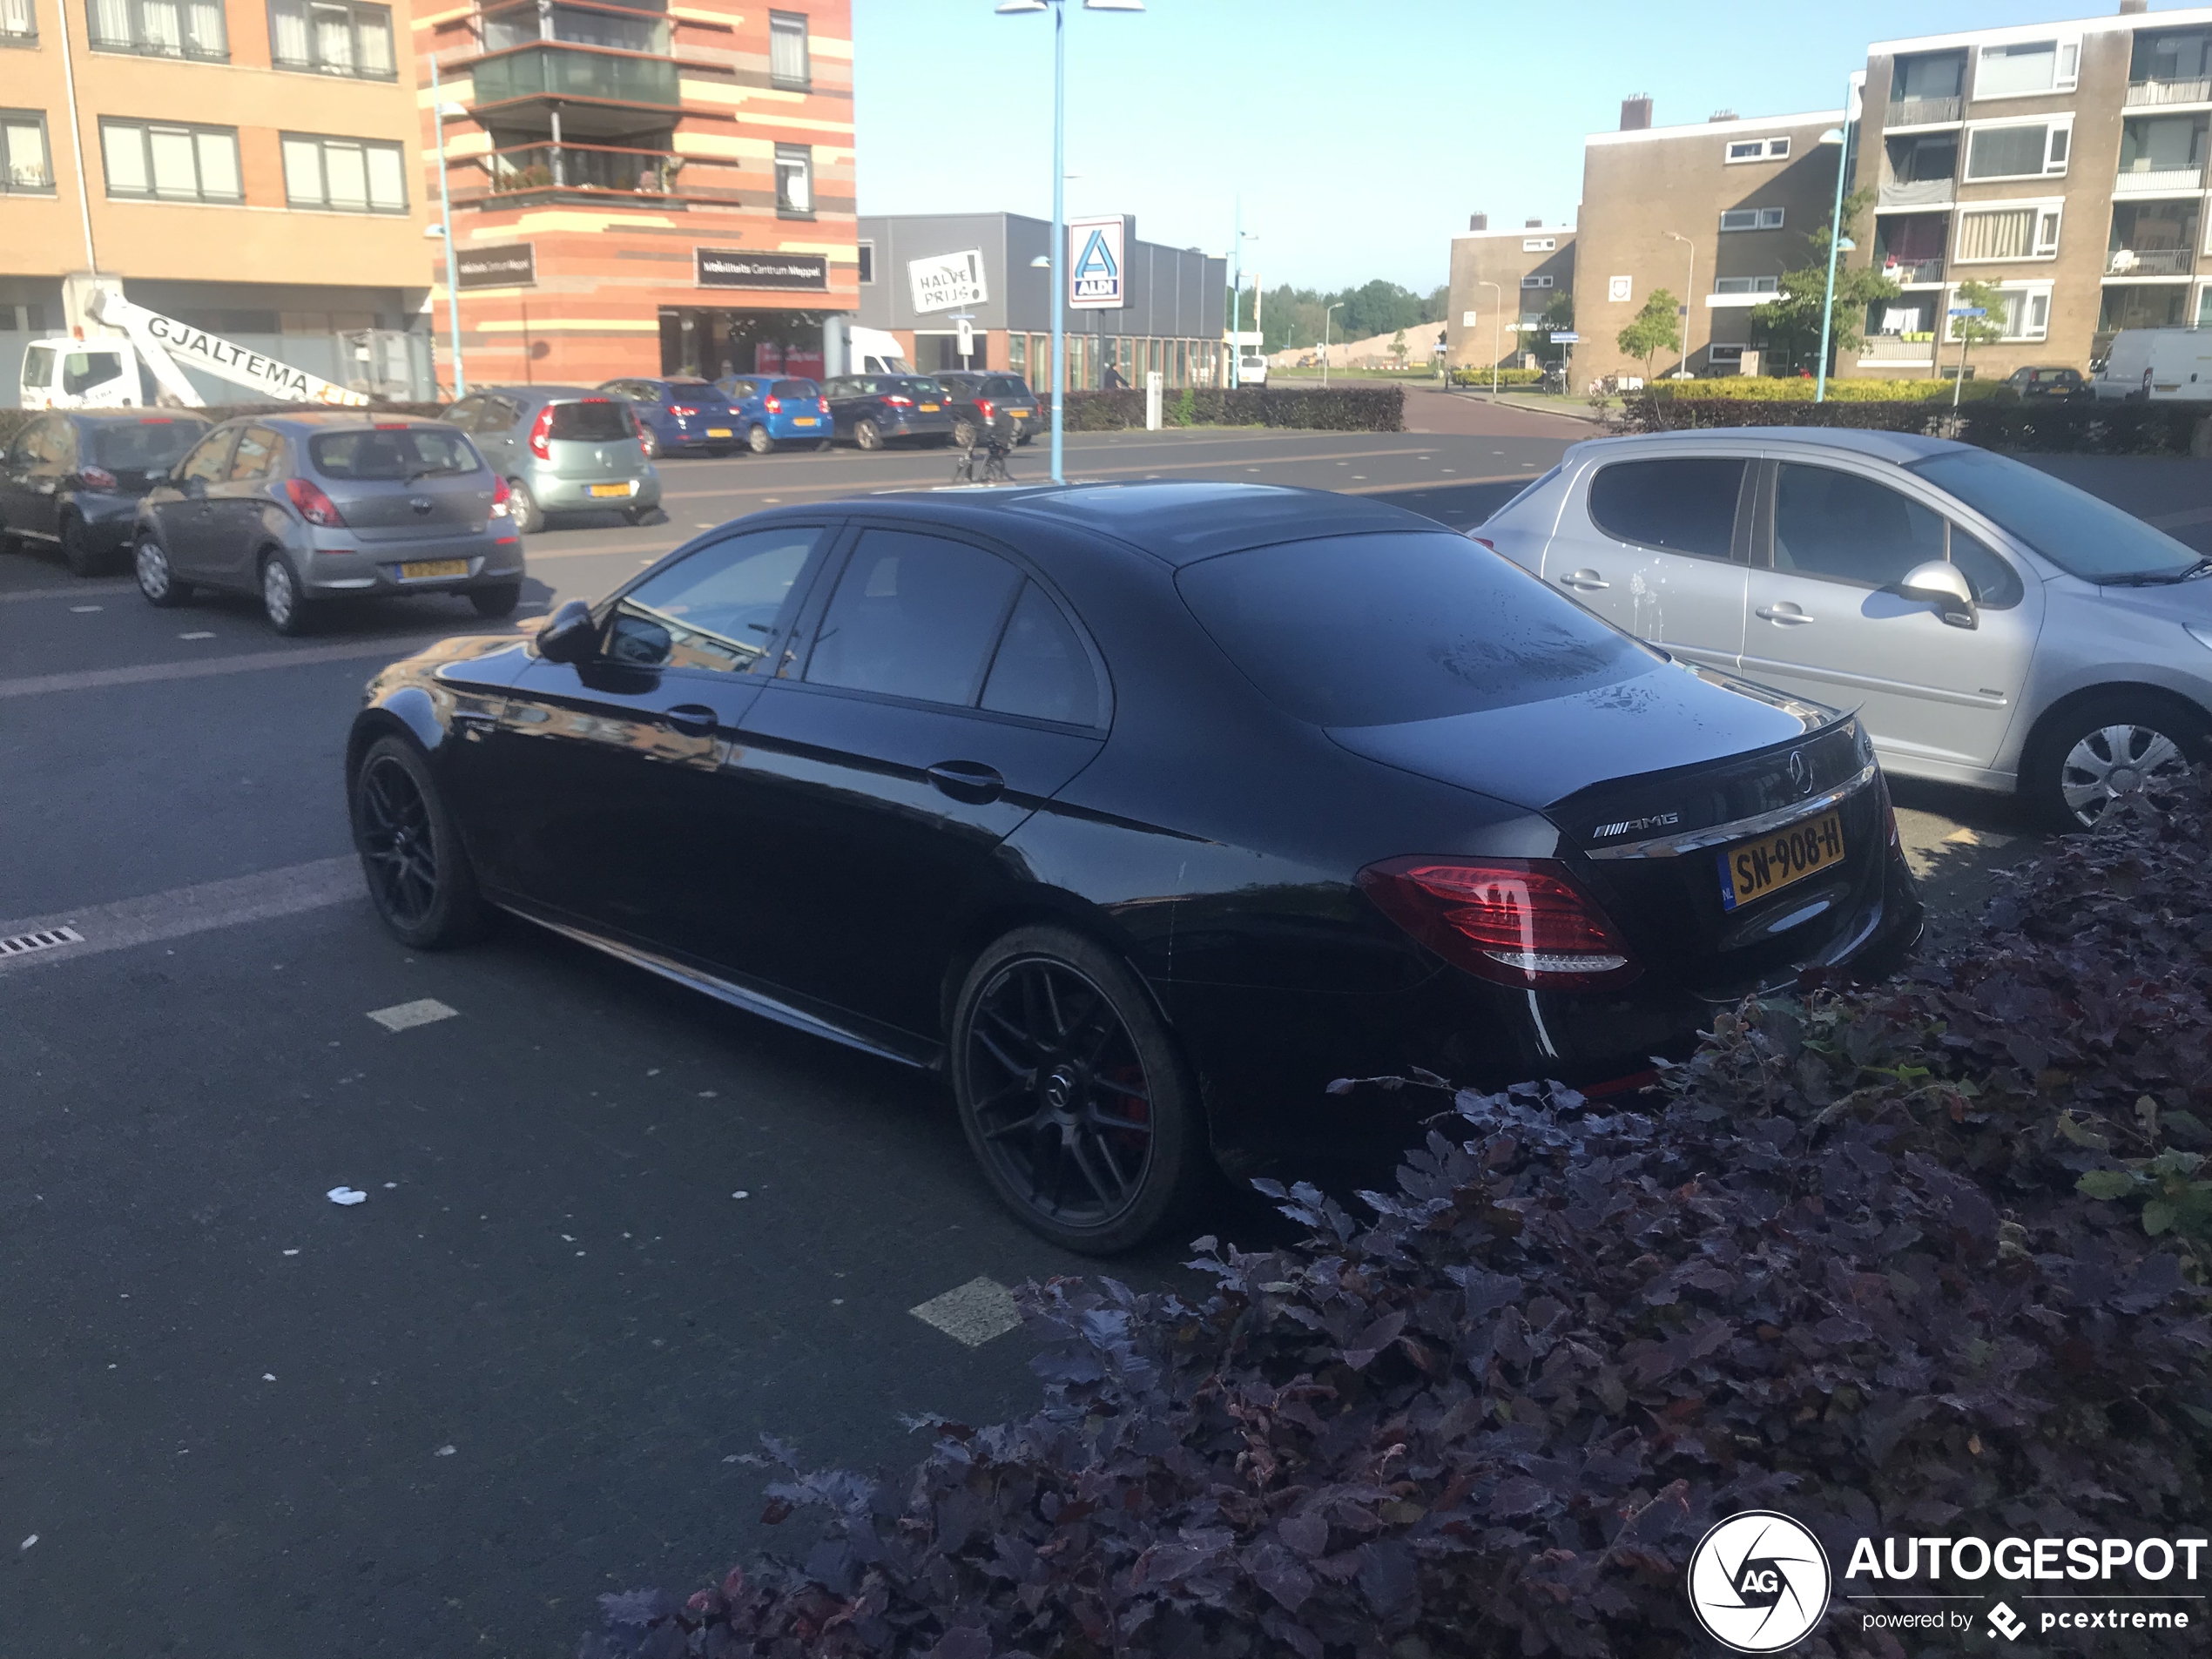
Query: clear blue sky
{"type": "Point", "coordinates": [1361, 133]}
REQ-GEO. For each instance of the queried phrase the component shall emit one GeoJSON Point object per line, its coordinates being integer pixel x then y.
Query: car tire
{"type": "Point", "coordinates": [825, 447]}
{"type": "Point", "coordinates": [1073, 1094]}
{"type": "Point", "coordinates": [964, 433]}
{"type": "Point", "coordinates": [867, 435]}
{"type": "Point", "coordinates": [497, 601]}
{"type": "Point", "coordinates": [282, 602]}
{"type": "Point", "coordinates": [759, 442]}
{"type": "Point", "coordinates": [412, 857]}
{"type": "Point", "coordinates": [527, 517]}
{"type": "Point", "coordinates": [77, 551]}
{"type": "Point", "coordinates": [641, 514]}
{"type": "Point", "coordinates": [2114, 746]}
{"type": "Point", "coordinates": [1023, 441]}
{"type": "Point", "coordinates": [157, 580]}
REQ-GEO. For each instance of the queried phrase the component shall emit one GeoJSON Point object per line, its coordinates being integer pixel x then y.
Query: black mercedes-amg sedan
{"type": "Point", "coordinates": [1142, 812]}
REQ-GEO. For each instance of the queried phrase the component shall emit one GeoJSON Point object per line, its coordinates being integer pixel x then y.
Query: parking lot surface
{"type": "Point", "coordinates": [611, 1232]}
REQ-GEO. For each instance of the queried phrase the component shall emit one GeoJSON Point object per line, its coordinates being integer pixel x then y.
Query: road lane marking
{"type": "Point", "coordinates": [973, 1313]}
{"type": "Point", "coordinates": [183, 911]}
{"type": "Point", "coordinates": [199, 633]}
{"type": "Point", "coordinates": [88, 679]}
{"type": "Point", "coordinates": [84, 610]}
{"type": "Point", "coordinates": [405, 1016]}
{"type": "Point", "coordinates": [76, 590]}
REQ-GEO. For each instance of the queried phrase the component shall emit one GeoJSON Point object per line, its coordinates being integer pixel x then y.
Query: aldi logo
{"type": "Point", "coordinates": [1097, 264]}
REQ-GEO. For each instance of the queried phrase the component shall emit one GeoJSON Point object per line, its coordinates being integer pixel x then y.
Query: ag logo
{"type": "Point", "coordinates": [1759, 1582]}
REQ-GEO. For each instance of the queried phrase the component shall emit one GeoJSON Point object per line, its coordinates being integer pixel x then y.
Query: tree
{"type": "Point", "coordinates": [1537, 338]}
{"type": "Point", "coordinates": [1790, 323]}
{"type": "Point", "coordinates": [1970, 331]}
{"type": "Point", "coordinates": [1398, 348]}
{"type": "Point", "coordinates": [1652, 330]}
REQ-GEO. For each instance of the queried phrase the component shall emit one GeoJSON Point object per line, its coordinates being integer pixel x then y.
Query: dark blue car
{"type": "Point", "coordinates": [773, 411]}
{"type": "Point", "coordinates": [679, 415]}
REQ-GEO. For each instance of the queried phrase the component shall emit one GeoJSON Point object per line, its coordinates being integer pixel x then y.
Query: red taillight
{"type": "Point", "coordinates": [682, 411]}
{"type": "Point", "coordinates": [315, 506]}
{"type": "Point", "coordinates": [900, 402]}
{"type": "Point", "coordinates": [821, 405]}
{"type": "Point", "coordinates": [1522, 922]}
{"type": "Point", "coordinates": [774, 405]}
{"type": "Point", "coordinates": [96, 477]}
{"type": "Point", "coordinates": [499, 495]}
{"type": "Point", "coordinates": [983, 408]}
{"type": "Point", "coordinates": [1483, 541]}
{"type": "Point", "coordinates": [542, 430]}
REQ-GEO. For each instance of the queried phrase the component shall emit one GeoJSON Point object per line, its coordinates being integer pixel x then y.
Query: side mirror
{"type": "Point", "coordinates": [570, 635]}
{"type": "Point", "coordinates": [195, 488]}
{"type": "Point", "coordinates": [1942, 585]}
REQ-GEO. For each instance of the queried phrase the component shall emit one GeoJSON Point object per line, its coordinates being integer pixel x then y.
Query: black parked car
{"type": "Point", "coordinates": [1140, 811]}
{"type": "Point", "coordinates": [980, 398]}
{"type": "Point", "coordinates": [72, 481]}
{"type": "Point", "coordinates": [2063, 384]}
{"type": "Point", "coordinates": [871, 410]}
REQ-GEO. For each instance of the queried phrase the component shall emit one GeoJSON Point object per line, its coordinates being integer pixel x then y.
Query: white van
{"type": "Point", "coordinates": [1251, 370]}
{"type": "Point", "coordinates": [874, 352]}
{"type": "Point", "coordinates": [2160, 364]}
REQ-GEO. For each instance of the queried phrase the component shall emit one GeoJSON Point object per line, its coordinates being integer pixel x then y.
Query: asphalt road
{"type": "Point", "coordinates": [611, 1232]}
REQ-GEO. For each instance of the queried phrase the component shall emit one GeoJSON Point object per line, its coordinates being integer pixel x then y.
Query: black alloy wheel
{"type": "Point", "coordinates": [77, 551]}
{"type": "Point", "coordinates": [418, 872]}
{"type": "Point", "coordinates": [867, 435]}
{"type": "Point", "coordinates": [1072, 1093]}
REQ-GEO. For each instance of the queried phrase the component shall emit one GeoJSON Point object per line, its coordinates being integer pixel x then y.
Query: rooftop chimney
{"type": "Point", "coordinates": [1723, 115]}
{"type": "Point", "coordinates": [1478, 221]}
{"type": "Point", "coordinates": [2129, 8]}
{"type": "Point", "coordinates": [1635, 112]}
{"type": "Point", "coordinates": [1533, 224]}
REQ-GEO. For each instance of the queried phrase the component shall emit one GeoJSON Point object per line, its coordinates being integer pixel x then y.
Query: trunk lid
{"type": "Point", "coordinates": [428, 508]}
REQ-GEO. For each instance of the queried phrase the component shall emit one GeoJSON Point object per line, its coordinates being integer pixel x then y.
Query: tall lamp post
{"type": "Point", "coordinates": [1497, 337]}
{"type": "Point", "coordinates": [1324, 343]}
{"type": "Point", "coordinates": [1840, 136]}
{"type": "Point", "coordinates": [1059, 256]}
{"type": "Point", "coordinates": [1236, 296]}
{"type": "Point", "coordinates": [439, 111]}
{"type": "Point", "coordinates": [1688, 298]}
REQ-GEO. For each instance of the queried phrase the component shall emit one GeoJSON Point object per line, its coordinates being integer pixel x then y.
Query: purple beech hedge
{"type": "Point", "coordinates": [1927, 1257]}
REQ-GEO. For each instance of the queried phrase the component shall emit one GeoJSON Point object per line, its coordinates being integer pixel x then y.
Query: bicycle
{"type": "Point", "coordinates": [993, 445]}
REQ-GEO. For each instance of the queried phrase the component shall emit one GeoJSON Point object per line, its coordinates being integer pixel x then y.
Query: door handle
{"type": "Point", "coordinates": [1786, 613]}
{"type": "Point", "coordinates": [966, 780]}
{"type": "Point", "coordinates": [474, 720]}
{"type": "Point", "coordinates": [1585, 578]}
{"type": "Point", "coordinates": [692, 719]}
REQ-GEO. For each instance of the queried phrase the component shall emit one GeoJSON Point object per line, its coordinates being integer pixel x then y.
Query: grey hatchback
{"type": "Point", "coordinates": [562, 449]}
{"type": "Point", "coordinates": [303, 509]}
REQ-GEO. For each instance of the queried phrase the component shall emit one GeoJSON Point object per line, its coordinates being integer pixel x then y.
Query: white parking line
{"type": "Point", "coordinates": [405, 1016]}
{"type": "Point", "coordinates": [391, 649]}
{"type": "Point", "coordinates": [199, 633]}
{"type": "Point", "coordinates": [183, 911]}
{"type": "Point", "coordinates": [84, 610]}
{"type": "Point", "coordinates": [972, 1313]}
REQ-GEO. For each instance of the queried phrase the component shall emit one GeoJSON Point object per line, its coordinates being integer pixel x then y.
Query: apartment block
{"type": "Point", "coordinates": [2062, 164]}
{"type": "Point", "coordinates": [244, 164]}
{"type": "Point", "coordinates": [1501, 281]}
{"type": "Point", "coordinates": [642, 188]}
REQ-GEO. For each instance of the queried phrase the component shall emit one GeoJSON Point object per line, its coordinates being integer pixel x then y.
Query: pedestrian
{"type": "Point", "coordinates": [1114, 382]}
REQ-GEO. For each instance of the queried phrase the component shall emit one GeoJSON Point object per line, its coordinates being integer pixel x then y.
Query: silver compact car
{"type": "Point", "coordinates": [1993, 626]}
{"type": "Point", "coordinates": [305, 509]}
{"type": "Point", "coordinates": [562, 449]}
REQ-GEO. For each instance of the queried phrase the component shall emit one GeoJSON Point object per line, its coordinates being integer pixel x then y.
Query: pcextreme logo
{"type": "Point", "coordinates": [1759, 1582]}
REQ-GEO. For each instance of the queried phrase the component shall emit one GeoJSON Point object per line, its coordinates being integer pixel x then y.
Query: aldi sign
{"type": "Point", "coordinates": [1097, 264]}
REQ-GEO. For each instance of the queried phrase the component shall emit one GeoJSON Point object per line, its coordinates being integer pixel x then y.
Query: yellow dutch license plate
{"type": "Point", "coordinates": [610, 489]}
{"type": "Point", "coordinates": [1757, 869]}
{"type": "Point", "coordinates": [929, 408]}
{"type": "Point", "coordinates": [719, 432]}
{"type": "Point", "coordinates": [1019, 414]}
{"type": "Point", "coordinates": [803, 419]}
{"type": "Point", "coordinates": [422, 568]}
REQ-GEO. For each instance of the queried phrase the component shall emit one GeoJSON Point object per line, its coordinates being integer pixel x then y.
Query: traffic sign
{"type": "Point", "coordinates": [1566, 337]}
{"type": "Point", "coordinates": [1969, 311]}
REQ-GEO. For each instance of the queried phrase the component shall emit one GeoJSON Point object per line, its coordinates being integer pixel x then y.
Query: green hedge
{"type": "Point", "coordinates": [1477, 375]}
{"type": "Point", "coordinates": [2101, 428]}
{"type": "Point", "coordinates": [1335, 408]}
{"type": "Point", "coordinates": [1797, 388]}
{"type": "Point", "coordinates": [14, 421]}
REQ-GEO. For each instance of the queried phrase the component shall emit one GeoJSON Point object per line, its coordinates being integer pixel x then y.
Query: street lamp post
{"type": "Point", "coordinates": [1688, 298]}
{"type": "Point", "coordinates": [1497, 336]}
{"type": "Point", "coordinates": [1059, 258]}
{"type": "Point", "coordinates": [445, 227]}
{"type": "Point", "coordinates": [1324, 343]}
{"type": "Point", "coordinates": [1841, 137]}
{"type": "Point", "coordinates": [1236, 296]}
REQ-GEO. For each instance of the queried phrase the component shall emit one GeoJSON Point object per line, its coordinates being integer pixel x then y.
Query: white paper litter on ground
{"type": "Point", "coordinates": [347, 1194]}
{"type": "Point", "coordinates": [972, 1313]}
{"type": "Point", "coordinates": [443, 1451]}
{"type": "Point", "coordinates": [27, 1542]}
{"type": "Point", "coordinates": [403, 1017]}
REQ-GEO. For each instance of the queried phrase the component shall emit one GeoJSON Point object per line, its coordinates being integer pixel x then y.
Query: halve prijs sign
{"type": "Point", "coordinates": [946, 282]}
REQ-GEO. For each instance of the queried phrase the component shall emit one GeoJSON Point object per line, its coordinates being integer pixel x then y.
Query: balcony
{"type": "Point", "coordinates": [574, 170]}
{"type": "Point", "coordinates": [1887, 350]}
{"type": "Point", "coordinates": [1920, 192]}
{"type": "Point", "coordinates": [1907, 272]}
{"type": "Point", "coordinates": [2159, 181]}
{"type": "Point", "coordinates": [2150, 261]}
{"type": "Point", "coordinates": [595, 74]}
{"type": "Point", "coordinates": [2198, 91]}
{"type": "Point", "coordinates": [1923, 111]}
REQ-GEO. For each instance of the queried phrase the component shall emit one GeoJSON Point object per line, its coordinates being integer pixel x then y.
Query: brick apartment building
{"type": "Point", "coordinates": [1501, 280]}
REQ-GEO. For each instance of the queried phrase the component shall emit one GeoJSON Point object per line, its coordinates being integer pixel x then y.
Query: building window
{"type": "Point", "coordinates": [867, 262]}
{"type": "Point", "coordinates": [1758, 149]}
{"type": "Point", "coordinates": [161, 161]}
{"type": "Point", "coordinates": [344, 175]}
{"type": "Point", "coordinates": [1752, 219]}
{"type": "Point", "coordinates": [1536, 282]}
{"type": "Point", "coordinates": [787, 64]}
{"type": "Point", "coordinates": [1745, 285]}
{"type": "Point", "coordinates": [2031, 67]}
{"type": "Point", "coordinates": [1718, 356]}
{"type": "Point", "coordinates": [160, 27]}
{"type": "Point", "coordinates": [2021, 313]}
{"type": "Point", "coordinates": [24, 165]}
{"type": "Point", "coordinates": [2009, 234]}
{"type": "Point", "coordinates": [332, 38]}
{"type": "Point", "coordinates": [1539, 243]}
{"type": "Point", "coordinates": [2032, 151]}
{"type": "Point", "coordinates": [795, 181]}
{"type": "Point", "coordinates": [18, 23]}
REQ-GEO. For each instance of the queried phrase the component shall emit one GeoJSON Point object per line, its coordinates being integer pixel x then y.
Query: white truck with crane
{"type": "Point", "coordinates": [69, 372]}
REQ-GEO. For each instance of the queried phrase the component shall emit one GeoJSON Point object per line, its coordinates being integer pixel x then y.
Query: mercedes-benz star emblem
{"type": "Point", "coordinates": [1800, 771]}
{"type": "Point", "coordinates": [1759, 1582]}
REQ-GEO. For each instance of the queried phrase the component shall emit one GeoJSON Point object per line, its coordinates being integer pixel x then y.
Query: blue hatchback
{"type": "Point", "coordinates": [678, 416]}
{"type": "Point", "coordinates": [771, 412]}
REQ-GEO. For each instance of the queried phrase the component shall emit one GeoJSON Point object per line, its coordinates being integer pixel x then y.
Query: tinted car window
{"type": "Point", "coordinates": [207, 462]}
{"type": "Point", "coordinates": [397, 453]}
{"type": "Point", "coordinates": [82, 370]}
{"type": "Point", "coordinates": [1041, 669]}
{"type": "Point", "coordinates": [716, 609]}
{"type": "Point", "coordinates": [2080, 534]}
{"type": "Point", "coordinates": [918, 386]}
{"type": "Point", "coordinates": [1404, 625]}
{"type": "Point", "coordinates": [258, 450]}
{"type": "Point", "coordinates": [1850, 528]}
{"type": "Point", "coordinates": [1003, 386]}
{"type": "Point", "coordinates": [796, 389]}
{"type": "Point", "coordinates": [1996, 585]}
{"type": "Point", "coordinates": [498, 415]}
{"type": "Point", "coordinates": [594, 420]}
{"type": "Point", "coordinates": [1683, 504]}
{"type": "Point", "coordinates": [738, 391]}
{"type": "Point", "coordinates": [914, 616]}
{"type": "Point", "coordinates": [47, 442]}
